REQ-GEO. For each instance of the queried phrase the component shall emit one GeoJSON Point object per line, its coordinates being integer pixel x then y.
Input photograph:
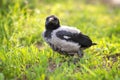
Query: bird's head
{"type": "Point", "coordinates": [52, 22]}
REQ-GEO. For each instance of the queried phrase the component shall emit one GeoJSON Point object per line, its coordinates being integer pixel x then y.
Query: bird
{"type": "Point", "coordinates": [65, 40]}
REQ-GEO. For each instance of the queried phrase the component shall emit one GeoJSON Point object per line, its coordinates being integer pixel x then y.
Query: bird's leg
{"type": "Point", "coordinates": [75, 59]}
{"type": "Point", "coordinates": [80, 53]}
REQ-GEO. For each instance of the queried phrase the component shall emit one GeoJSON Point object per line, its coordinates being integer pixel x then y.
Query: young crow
{"type": "Point", "coordinates": [64, 39]}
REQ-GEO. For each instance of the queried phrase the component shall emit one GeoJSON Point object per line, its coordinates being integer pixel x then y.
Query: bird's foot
{"type": "Point", "coordinates": [80, 53]}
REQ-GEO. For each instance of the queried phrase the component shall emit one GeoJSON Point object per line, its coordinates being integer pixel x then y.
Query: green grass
{"type": "Point", "coordinates": [21, 26]}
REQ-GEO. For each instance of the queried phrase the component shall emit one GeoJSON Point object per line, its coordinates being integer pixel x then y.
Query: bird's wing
{"type": "Point", "coordinates": [83, 40]}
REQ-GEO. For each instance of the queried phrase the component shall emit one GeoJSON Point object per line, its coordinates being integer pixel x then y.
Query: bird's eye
{"type": "Point", "coordinates": [55, 18]}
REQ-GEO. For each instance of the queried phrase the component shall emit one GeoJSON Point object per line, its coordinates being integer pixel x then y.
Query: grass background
{"type": "Point", "coordinates": [25, 56]}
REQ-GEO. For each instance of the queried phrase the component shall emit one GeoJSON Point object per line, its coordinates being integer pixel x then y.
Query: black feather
{"type": "Point", "coordinates": [83, 40]}
{"type": "Point", "coordinates": [47, 34]}
{"type": "Point", "coordinates": [53, 24]}
{"type": "Point", "coordinates": [94, 43]}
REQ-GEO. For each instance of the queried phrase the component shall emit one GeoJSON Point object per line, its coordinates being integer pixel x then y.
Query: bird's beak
{"type": "Point", "coordinates": [51, 19]}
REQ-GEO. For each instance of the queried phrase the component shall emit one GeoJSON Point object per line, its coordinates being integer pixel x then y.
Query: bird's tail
{"type": "Point", "coordinates": [94, 43]}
